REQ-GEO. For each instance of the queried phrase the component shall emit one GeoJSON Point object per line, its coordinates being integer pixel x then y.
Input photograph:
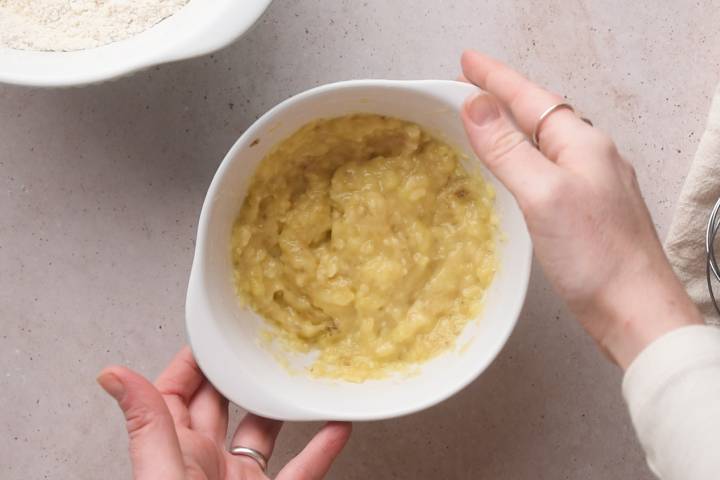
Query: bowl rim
{"type": "Point", "coordinates": [273, 116]}
{"type": "Point", "coordinates": [234, 20]}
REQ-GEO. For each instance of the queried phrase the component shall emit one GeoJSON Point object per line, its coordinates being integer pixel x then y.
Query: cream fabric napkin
{"type": "Point", "coordinates": [685, 243]}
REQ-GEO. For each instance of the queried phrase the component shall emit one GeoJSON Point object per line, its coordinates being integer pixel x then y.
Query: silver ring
{"type": "Point", "coordinates": [252, 453]}
{"type": "Point", "coordinates": [546, 114]}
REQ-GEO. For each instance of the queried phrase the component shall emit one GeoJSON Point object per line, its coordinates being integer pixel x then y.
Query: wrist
{"type": "Point", "coordinates": [638, 307]}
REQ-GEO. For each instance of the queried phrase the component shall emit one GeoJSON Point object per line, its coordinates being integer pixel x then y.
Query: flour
{"type": "Point", "coordinates": [78, 24]}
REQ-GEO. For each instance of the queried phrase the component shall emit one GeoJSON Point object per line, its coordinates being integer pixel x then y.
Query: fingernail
{"type": "Point", "coordinates": [112, 385]}
{"type": "Point", "coordinates": [483, 110]}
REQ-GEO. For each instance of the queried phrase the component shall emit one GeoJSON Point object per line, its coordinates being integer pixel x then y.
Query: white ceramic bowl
{"type": "Point", "coordinates": [224, 336]}
{"type": "Point", "coordinates": [201, 27]}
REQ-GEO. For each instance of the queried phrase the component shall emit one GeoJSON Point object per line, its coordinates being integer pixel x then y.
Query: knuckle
{"type": "Point", "coordinates": [193, 471]}
{"type": "Point", "coordinates": [628, 167]}
{"type": "Point", "coordinates": [629, 171]}
{"type": "Point", "coordinates": [602, 143]}
{"type": "Point", "coordinates": [546, 197]}
{"type": "Point", "coordinates": [139, 419]}
{"type": "Point", "coordinates": [502, 144]}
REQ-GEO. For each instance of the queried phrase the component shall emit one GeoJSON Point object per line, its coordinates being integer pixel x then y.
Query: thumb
{"type": "Point", "coordinates": [504, 149]}
{"type": "Point", "coordinates": [154, 448]}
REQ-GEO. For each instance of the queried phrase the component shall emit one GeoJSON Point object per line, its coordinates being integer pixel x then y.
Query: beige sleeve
{"type": "Point", "coordinates": [673, 392]}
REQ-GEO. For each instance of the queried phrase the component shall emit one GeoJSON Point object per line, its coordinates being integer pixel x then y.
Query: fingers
{"type": "Point", "coordinates": [526, 101]}
{"type": "Point", "coordinates": [257, 433]}
{"type": "Point", "coordinates": [505, 150]}
{"type": "Point", "coordinates": [178, 383]}
{"type": "Point", "coordinates": [154, 448]}
{"type": "Point", "coordinates": [209, 413]}
{"type": "Point", "coordinates": [317, 457]}
{"type": "Point", "coordinates": [182, 377]}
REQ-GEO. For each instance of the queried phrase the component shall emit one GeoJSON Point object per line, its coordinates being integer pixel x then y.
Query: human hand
{"type": "Point", "coordinates": [178, 426]}
{"type": "Point", "coordinates": [591, 229]}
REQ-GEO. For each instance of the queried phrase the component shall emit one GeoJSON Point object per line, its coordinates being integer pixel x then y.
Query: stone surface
{"type": "Point", "coordinates": [101, 188]}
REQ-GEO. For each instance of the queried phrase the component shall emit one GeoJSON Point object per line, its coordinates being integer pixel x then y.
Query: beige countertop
{"type": "Point", "coordinates": [101, 188]}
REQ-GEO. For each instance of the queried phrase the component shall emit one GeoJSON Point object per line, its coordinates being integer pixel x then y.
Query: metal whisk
{"type": "Point", "coordinates": [711, 267]}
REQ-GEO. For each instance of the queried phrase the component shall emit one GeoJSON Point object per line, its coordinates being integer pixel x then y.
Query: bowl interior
{"type": "Point", "coordinates": [225, 336]}
{"type": "Point", "coordinates": [200, 27]}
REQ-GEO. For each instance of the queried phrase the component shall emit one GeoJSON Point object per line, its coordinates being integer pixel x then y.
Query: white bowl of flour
{"type": "Point", "coordinates": [53, 43]}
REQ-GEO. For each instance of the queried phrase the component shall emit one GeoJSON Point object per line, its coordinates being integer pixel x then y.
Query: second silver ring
{"type": "Point", "coordinates": [252, 453]}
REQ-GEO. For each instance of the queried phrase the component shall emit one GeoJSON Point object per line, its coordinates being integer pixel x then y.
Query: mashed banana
{"type": "Point", "coordinates": [364, 239]}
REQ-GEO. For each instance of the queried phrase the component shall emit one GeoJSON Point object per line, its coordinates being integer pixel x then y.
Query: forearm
{"type": "Point", "coordinates": [644, 303]}
{"type": "Point", "coordinates": [672, 390]}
